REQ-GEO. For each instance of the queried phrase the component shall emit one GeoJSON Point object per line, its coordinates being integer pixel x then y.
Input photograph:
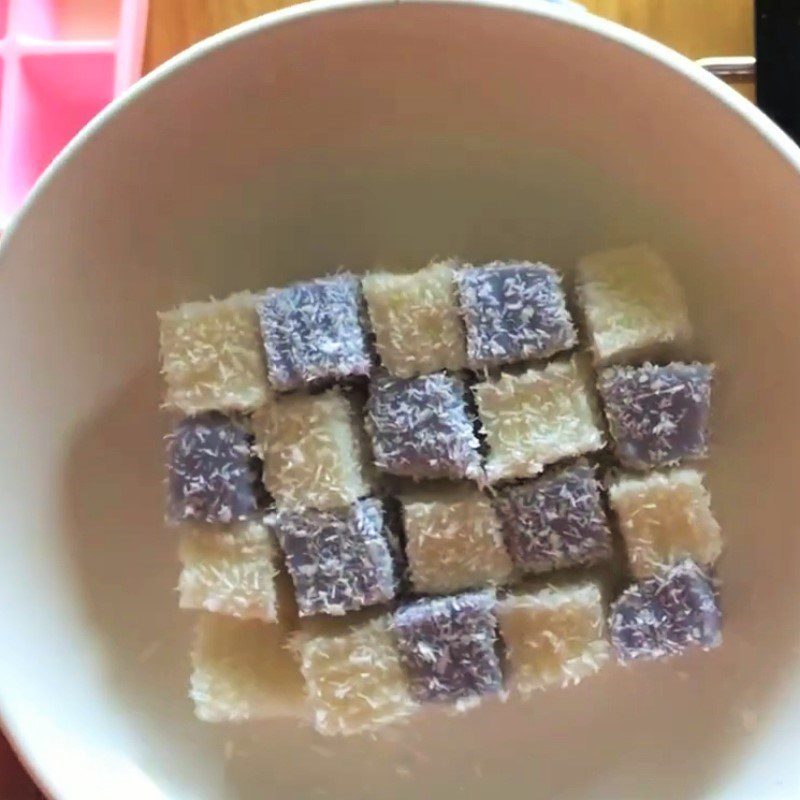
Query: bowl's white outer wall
{"type": "Point", "coordinates": [339, 133]}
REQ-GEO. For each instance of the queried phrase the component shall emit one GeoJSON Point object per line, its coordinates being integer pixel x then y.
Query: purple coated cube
{"type": "Point", "coordinates": [314, 332]}
{"type": "Point", "coordinates": [212, 474]}
{"type": "Point", "coordinates": [340, 560]}
{"type": "Point", "coordinates": [662, 615]}
{"type": "Point", "coordinates": [657, 415]}
{"type": "Point", "coordinates": [447, 646]}
{"type": "Point", "coordinates": [513, 311]}
{"type": "Point", "coordinates": [421, 428]}
{"type": "Point", "coordinates": [556, 521]}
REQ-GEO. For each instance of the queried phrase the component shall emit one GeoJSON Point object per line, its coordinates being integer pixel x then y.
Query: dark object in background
{"type": "Point", "coordinates": [777, 29]}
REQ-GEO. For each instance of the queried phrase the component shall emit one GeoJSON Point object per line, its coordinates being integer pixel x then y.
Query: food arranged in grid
{"type": "Point", "coordinates": [399, 491]}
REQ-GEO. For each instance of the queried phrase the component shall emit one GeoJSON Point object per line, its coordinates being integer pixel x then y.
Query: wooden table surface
{"type": "Point", "coordinates": [694, 27]}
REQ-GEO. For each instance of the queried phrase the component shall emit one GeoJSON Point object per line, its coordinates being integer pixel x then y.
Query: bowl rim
{"type": "Point", "coordinates": [567, 14]}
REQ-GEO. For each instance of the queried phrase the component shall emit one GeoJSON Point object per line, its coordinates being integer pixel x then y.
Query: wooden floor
{"type": "Point", "coordinates": [695, 27]}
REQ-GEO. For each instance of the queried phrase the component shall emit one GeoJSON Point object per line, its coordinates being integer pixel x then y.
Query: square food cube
{"type": "Point", "coordinates": [314, 332]}
{"type": "Point", "coordinates": [536, 418]}
{"type": "Point", "coordinates": [212, 475]}
{"type": "Point", "coordinates": [666, 613]}
{"type": "Point", "coordinates": [453, 541]}
{"type": "Point", "coordinates": [312, 446]}
{"type": "Point", "coordinates": [513, 311]}
{"type": "Point", "coordinates": [421, 428]}
{"type": "Point", "coordinates": [355, 682]}
{"type": "Point", "coordinates": [448, 646]}
{"type": "Point", "coordinates": [554, 635]}
{"type": "Point", "coordinates": [657, 415]}
{"type": "Point", "coordinates": [229, 570]}
{"type": "Point", "coordinates": [244, 669]}
{"type": "Point", "coordinates": [339, 561]}
{"type": "Point", "coordinates": [664, 518]}
{"type": "Point", "coordinates": [212, 356]}
{"type": "Point", "coordinates": [556, 521]}
{"type": "Point", "coordinates": [632, 304]}
{"type": "Point", "coordinates": [416, 321]}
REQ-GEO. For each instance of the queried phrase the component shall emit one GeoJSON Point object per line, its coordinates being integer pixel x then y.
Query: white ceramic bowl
{"type": "Point", "coordinates": [355, 134]}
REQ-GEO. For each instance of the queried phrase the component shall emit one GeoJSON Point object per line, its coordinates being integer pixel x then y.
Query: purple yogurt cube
{"type": "Point", "coordinates": [556, 521]}
{"type": "Point", "coordinates": [421, 428]}
{"type": "Point", "coordinates": [447, 646]}
{"type": "Point", "coordinates": [340, 560]}
{"type": "Point", "coordinates": [513, 311]}
{"type": "Point", "coordinates": [657, 415]}
{"type": "Point", "coordinates": [664, 614]}
{"type": "Point", "coordinates": [314, 332]}
{"type": "Point", "coordinates": [212, 474]}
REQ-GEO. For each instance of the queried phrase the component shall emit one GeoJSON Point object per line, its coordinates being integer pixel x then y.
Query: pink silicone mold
{"type": "Point", "coordinates": [61, 62]}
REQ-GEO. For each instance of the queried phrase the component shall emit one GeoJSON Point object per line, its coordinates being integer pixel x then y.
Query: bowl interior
{"type": "Point", "coordinates": [384, 134]}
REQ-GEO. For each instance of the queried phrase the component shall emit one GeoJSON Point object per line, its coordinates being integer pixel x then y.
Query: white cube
{"type": "Point", "coordinates": [665, 517]}
{"type": "Point", "coordinates": [415, 319]}
{"type": "Point", "coordinates": [313, 450]}
{"type": "Point", "coordinates": [633, 306]}
{"type": "Point", "coordinates": [554, 635]}
{"type": "Point", "coordinates": [454, 541]}
{"type": "Point", "coordinates": [537, 418]}
{"type": "Point", "coordinates": [212, 356]}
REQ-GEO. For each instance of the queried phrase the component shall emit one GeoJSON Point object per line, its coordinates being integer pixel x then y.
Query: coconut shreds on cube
{"type": "Point", "coordinates": [513, 311]}
{"type": "Point", "coordinates": [633, 306]}
{"type": "Point", "coordinates": [453, 541]}
{"type": "Point", "coordinates": [244, 669]}
{"type": "Point", "coordinates": [553, 635]}
{"type": "Point", "coordinates": [415, 320]}
{"type": "Point", "coordinates": [354, 680]}
{"type": "Point", "coordinates": [447, 646]}
{"type": "Point", "coordinates": [314, 332]}
{"type": "Point", "coordinates": [555, 521]}
{"type": "Point", "coordinates": [664, 614]}
{"type": "Point", "coordinates": [421, 428]}
{"type": "Point", "coordinates": [536, 418]}
{"type": "Point", "coordinates": [312, 450]}
{"type": "Point", "coordinates": [665, 517]}
{"type": "Point", "coordinates": [212, 474]}
{"type": "Point", "coordinates": [212, 356]}
{"type": "Point", "coordinates": [229, 570]}
{"type": "Point", "coordinates": [339, 560]}
{"type": "Point", "coordinates": [657, 415]}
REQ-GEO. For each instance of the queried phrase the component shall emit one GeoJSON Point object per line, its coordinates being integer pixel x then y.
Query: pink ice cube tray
{"type": "Point", "coordinates": [61, 61]}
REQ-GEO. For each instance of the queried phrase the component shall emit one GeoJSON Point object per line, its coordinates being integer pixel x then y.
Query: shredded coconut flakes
{"type": "Point", "coordinates": [212, 357]}
{"type": "Point", "coordinates": [536, 418]}
{"type": "Point", "coordinates": [415, 320]}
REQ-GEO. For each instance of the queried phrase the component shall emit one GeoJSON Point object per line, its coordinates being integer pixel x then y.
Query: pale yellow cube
{"type": "Point", "coordinates": [416, 320]}
{"type": "Point", "coordinates": [354, 679]}
{"type": "Point", "coordinates": [213, 357]}
{"type": "Point", "coordinates": [633, 306]}
{"type": "Point", "coordinates": [454, 541]}
{"type": "Point", "coordinates": [554, 635]}
{"type": "Point", "coordinates": [537, 418]}
{"type": "Point", "coordinates": [665, 517]}
{"type": "Point", "coordinates": [244, 669]}
{"type": "Point", "coordinates": [229, 570]}
{"type": "Point", "coordinates": [313, 450]}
